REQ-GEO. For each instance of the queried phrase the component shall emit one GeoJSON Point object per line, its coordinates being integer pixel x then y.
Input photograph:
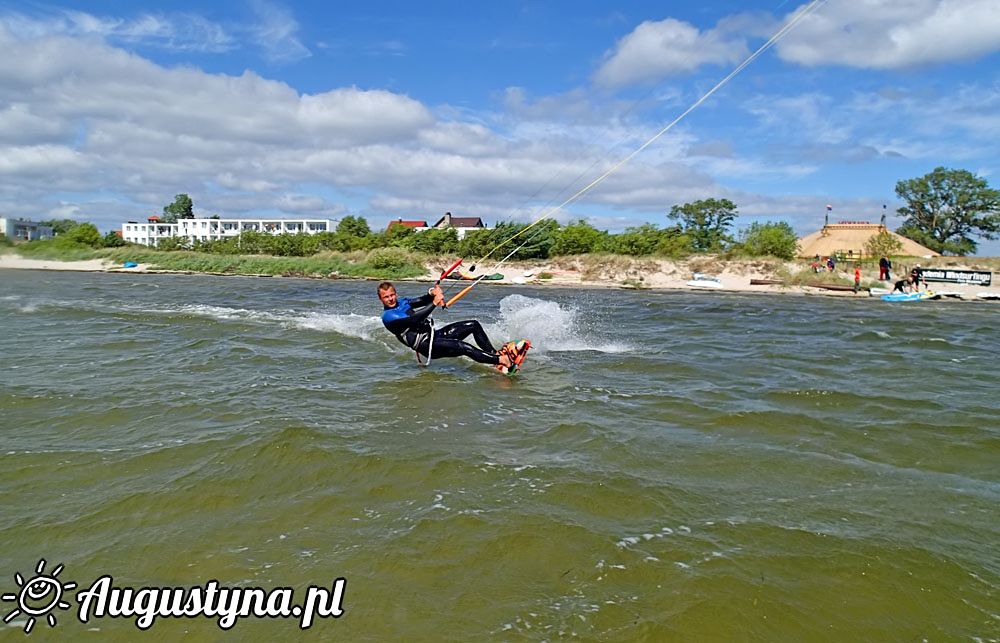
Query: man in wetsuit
{"type": "Point", "coordinates": [916, 277]}
{"type": "Point", "coordinates": [410, 321]}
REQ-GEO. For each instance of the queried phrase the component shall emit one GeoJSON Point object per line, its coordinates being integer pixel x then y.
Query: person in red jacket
{"type": "Point", "coordinates": [857, 278]}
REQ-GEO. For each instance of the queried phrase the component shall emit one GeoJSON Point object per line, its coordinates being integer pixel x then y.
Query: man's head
{"type": "Point", "coordinates": [387, 294]}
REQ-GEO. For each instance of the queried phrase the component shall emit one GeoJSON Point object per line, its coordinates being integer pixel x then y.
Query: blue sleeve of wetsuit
{"type": "Point", "coordinates": [404, 317]}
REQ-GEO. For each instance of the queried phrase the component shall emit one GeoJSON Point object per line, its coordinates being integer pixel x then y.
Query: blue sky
{"type": "Point", "coordinates": [401, 109]}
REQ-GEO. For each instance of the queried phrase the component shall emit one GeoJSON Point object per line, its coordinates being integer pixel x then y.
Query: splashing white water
{"type": "Point", "coordinates": [549, 326]}
{"type": "Point", "coordinates": [351, 324]}
{"type": "Point", "coordinates": [347, 324]}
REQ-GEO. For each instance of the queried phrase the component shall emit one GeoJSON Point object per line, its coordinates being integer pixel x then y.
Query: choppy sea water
{"type": "Point", "coordinates": [668, 466]}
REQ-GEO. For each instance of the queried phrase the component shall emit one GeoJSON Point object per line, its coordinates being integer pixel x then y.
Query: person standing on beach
{"type": "Point", "coordinates": [916, 276]}
{"type": "Point", "coordinates": [857, 278]}
{"type": "Point", "coordinates": [883, 269]}
{"type": "Point", "coordinates": [409, 320]}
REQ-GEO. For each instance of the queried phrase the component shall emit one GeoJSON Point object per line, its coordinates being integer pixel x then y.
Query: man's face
{"type": "Point", "coordinates": [388, 297]}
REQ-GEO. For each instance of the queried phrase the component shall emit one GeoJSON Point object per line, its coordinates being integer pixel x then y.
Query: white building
{"type": "Point", "coordinates": [153, 230]}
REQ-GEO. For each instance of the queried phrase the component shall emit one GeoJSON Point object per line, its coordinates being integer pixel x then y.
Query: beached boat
{"type": "Point", "coordinates": [496, 276]}
{"type": "Point", "coordinates": [704, 281]}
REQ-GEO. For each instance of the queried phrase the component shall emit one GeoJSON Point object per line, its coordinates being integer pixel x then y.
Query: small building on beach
{"type": "Point", "coordinates": [23, 229]}
{"type": "Point", "coordinates": [847, 240]}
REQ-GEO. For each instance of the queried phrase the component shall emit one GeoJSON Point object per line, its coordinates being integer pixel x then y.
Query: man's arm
{"type": "Point", "coordinates": [417, 302]}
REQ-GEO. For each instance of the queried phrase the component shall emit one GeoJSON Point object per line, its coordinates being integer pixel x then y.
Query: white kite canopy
{"type": "Point", "coordinates": [849, 239]}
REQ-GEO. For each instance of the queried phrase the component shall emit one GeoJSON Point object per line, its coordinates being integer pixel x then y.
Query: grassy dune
{"type": "Point", "coordinates": [387, 263]}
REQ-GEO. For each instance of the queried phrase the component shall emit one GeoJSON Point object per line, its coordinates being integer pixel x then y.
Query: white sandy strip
{"type": "Point", "coordinates": [20, 263]}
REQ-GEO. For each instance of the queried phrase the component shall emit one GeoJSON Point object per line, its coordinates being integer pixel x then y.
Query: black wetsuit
{"type": "Point", "coordinates": [410, 322]}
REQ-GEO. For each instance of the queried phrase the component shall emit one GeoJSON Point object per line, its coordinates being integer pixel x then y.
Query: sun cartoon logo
{"type": "Point", "coordinates": [38, 597]}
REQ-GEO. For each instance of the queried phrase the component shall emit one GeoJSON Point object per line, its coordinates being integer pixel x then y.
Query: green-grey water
{"type": "Point", "coordinates": [668, 466]}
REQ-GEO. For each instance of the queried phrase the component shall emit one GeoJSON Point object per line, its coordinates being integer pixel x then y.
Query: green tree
{"type": "Point", "coordinates": [353, 226]}
{"type": "Point", "coordinates": [637, 242]}
{"type": "Point", "coordinates": [85, 234]}
{"type": "Point", "coordinates": [883, 244]}
{"type": "Point", "coordinates": [945, 209]}
{"type": "Point", "coordinates": [535, 243]}
{"type": "Point", "coordinates": [674, 244]}
{"type": "Point", "coordinates": [181, 208]}
{"type": "Point", "coordinates": [578, 238]}
{"type": "Point", "coordinates": [112, 240]}
{"type": "Point", "coordinates": [706, 222]}
{"type": "Point", "coordinates": [436, 241]}
{"type": "Point", "coordinates": [507, 238]}
{"type": "Point", "coordinates": [397, 235]}
{"type": "Point", "coordinates": [60, 226]}
{"type": "Point", "coordinates": [770, 239]}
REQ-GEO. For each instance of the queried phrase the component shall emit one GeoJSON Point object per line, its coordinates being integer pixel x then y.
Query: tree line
{"type": "Point", "coordinates": [702, 226]}
{"type": "Point", "coordinates": [944, 210]}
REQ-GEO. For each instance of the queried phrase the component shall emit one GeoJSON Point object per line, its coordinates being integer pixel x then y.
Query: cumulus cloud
{"type": "Point", "coordinates": [91, 129]}
{"type": "Point", "coordinates": [84, 117]}
{"type": "Point", "coordinates": [893, 34]}
{"type": "Point", "coordinates": [655, 50]}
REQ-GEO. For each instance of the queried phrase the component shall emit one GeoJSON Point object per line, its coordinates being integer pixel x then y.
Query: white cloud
{"type": "Point", "coordinates": [893, 34]}
{"type": "Point", "coordinates": [655, 50]}
{"type": "Point", "coordinates": [118, 124]}
{"type": "Point", "coordinates": [37, 160]}
{"type": "Point", "coordinates": [177, 32]}
{"type": "Point", "coordinates": [87, 125]}
{"type": "Point", "coordinates": [790, 116]}
{"type": "Point", "coordinates": [276, 32]}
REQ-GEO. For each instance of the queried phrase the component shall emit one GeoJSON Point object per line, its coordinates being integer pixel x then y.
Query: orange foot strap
{"type": "Point", "coordinates": [516, 352]}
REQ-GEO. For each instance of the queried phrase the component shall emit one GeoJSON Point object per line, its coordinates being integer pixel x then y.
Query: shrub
{"type": "Point", "coordinates": [388, 258]}
{"type": "Point", "coordinates": [85, 234]}
{"type": "Point", "coordinates": [112, 240]}
{"type": "Point", "coordinates": [577, 238]}
{"type": "Point", "coordinates": [771, 239]}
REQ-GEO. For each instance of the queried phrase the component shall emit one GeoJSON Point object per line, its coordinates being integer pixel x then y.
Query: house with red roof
{"type": "Point", "coordinates": [415, 224]}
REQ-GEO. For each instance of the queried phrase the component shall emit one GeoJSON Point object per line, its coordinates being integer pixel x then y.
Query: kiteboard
{"type": "Point", "coordinates": [517, 352]}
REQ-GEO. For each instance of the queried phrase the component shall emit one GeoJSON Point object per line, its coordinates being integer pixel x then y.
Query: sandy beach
{"type": "Point", "coordinates": [16, 262]}
{"type": "Point", "coordinates": [581, 272]}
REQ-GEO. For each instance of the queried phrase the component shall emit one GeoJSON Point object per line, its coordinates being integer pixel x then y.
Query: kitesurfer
{"type": "Point", "coordinates": [409, 319]}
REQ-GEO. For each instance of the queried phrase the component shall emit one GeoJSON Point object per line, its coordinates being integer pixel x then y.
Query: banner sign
{"type": "Point", "coordinates": [977, 277]}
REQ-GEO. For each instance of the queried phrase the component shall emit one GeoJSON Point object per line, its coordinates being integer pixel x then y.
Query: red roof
{"type": "Point", "coordinates": [153, 218]}
{"type": "Point", "coordinates": [408, 224]}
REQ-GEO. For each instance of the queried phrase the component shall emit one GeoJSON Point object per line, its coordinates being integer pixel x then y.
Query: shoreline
{"type": "Point", "coordinates": [655, 275]}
